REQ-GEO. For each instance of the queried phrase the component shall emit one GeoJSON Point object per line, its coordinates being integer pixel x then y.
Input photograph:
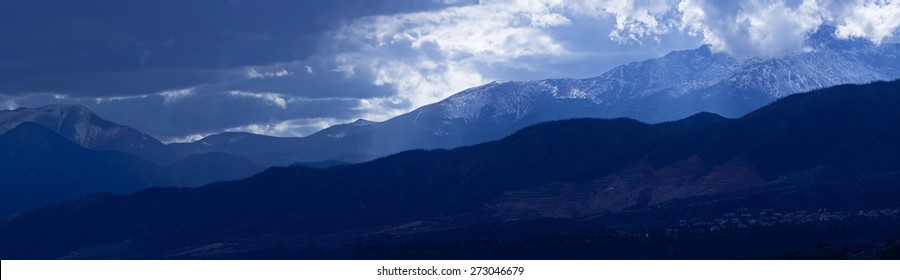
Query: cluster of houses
{"type": "Point", "coordinates": [770, 218]}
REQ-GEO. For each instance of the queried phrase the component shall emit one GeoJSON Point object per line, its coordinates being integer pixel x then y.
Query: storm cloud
{"type": "Point", "coordinates": [179, 70]}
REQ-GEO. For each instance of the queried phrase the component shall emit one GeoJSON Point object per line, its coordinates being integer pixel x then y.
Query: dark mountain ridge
{"type": "Point", "coordinates": [39, 167]}
{"type": "Point", "coordinates": [566, 171]}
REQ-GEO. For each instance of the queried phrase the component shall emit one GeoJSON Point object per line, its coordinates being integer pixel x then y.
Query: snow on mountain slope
{"type": "Point", "coordinates": [696, 75]}
{"type": "Point", "coordinates": [677, 85]}
{"type": "Point", "coordinates": [72, 121]}
{"type": "Point", "coordinates": [85, 128]}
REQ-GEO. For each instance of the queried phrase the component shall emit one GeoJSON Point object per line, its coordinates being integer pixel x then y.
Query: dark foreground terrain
{"type": "Point", "coordinates": [814, 175]}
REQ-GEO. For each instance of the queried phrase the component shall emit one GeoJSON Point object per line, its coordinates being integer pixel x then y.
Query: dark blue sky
{"type": "Point", "coordinates": [91, 47]}
{"type": "Point", "coordinates": [179, 69]}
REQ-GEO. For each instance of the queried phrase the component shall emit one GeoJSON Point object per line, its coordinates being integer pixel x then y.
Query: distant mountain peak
{"type": "Point", "coordinates": [701, 51]}
{"type": "Point", "coordinates": [825, 38]}
{"type": "Point", "coordinates": [80, 125]}
{"type": "Point", "coordinates": [674, 86]}
{"type": "Point", "coordinates": [62, 107]}
{"type": "Point", "coordinates": [75, 122]}
{"type": "Point", "coordinates": [361, 122]}
{"type": "Point", "coordinates": [226, 135]}
{"type": "Point", "coordinates": [678, 84]}
{"type": "Point", "coordinates": [226, 138]}
{"type": "Point", "coordinates": [76, 111]}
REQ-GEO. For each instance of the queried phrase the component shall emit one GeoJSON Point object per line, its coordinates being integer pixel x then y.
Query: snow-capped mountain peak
{"type": "Point", "coordinates": [683, 82]}
{"type": "Point", "coordinates": [80, 125]}
{"type": "Point", "coordinates": [75, 122]}
{"type": "Point", "coordinates": [362, 122]}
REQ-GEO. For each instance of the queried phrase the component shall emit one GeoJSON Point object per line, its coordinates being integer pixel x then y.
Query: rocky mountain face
{"type": "Point", "coordinates": [80, 125]}
{"type": "Point", "coordinates": [655, 90]}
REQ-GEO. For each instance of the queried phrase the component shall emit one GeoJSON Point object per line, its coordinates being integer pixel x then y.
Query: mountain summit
{"type": "Point", "coordinates": [677, 85]}
{"type": "Point", "coordinates": [671, 87]}
{"type": "Point", "coordinates": [80, 125]}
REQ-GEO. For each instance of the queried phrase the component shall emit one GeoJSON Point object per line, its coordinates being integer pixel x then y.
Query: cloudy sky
{"type": "Point", "coordinates": [182, 69]}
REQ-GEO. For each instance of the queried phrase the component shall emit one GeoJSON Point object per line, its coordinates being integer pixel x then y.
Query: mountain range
{"type": "Point", "coordinates": [826, 162]}
{"type": "Point", "coordinates": [671, 87]}
{"type": "Point", "coordinates": [656, 90]}
{"type": "Point", "coordinates": [80, 125]}
{"type": "Point", "coordinates": [39, 167]}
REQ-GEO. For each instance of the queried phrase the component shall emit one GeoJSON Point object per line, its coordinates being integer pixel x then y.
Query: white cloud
{"type": "Point", "coordinates": [289, 128]}
{"type": "Point", "coordinates": [747, 28]}
{"type": "Point", "coordinates": [10, 104]}
{"type": "Point", "coordinates": [185, 139]}
{"type": "Point", "coordinates": [636, 19]}
{"type": "Point", "coordinates": [424, 57]}
{"type": "Point", "coordinates": [272, 98]}
{"type": "Point", "coordinates": [873, 20]}
{"type": "Point", "coordinates": [428, 56]}
{"type": "Point", "coordinates": [752, 28]}
{"type": "Point", "coordinates": [253, 73]}
{"type": "Point", "coordinates": [99, 100]}
{"type": "Point", "coordinates": [381, 108]}
{"type": "Point", "coordinates": [282, 100]}
{"type": "Point", "coordinates": [172, 96]}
